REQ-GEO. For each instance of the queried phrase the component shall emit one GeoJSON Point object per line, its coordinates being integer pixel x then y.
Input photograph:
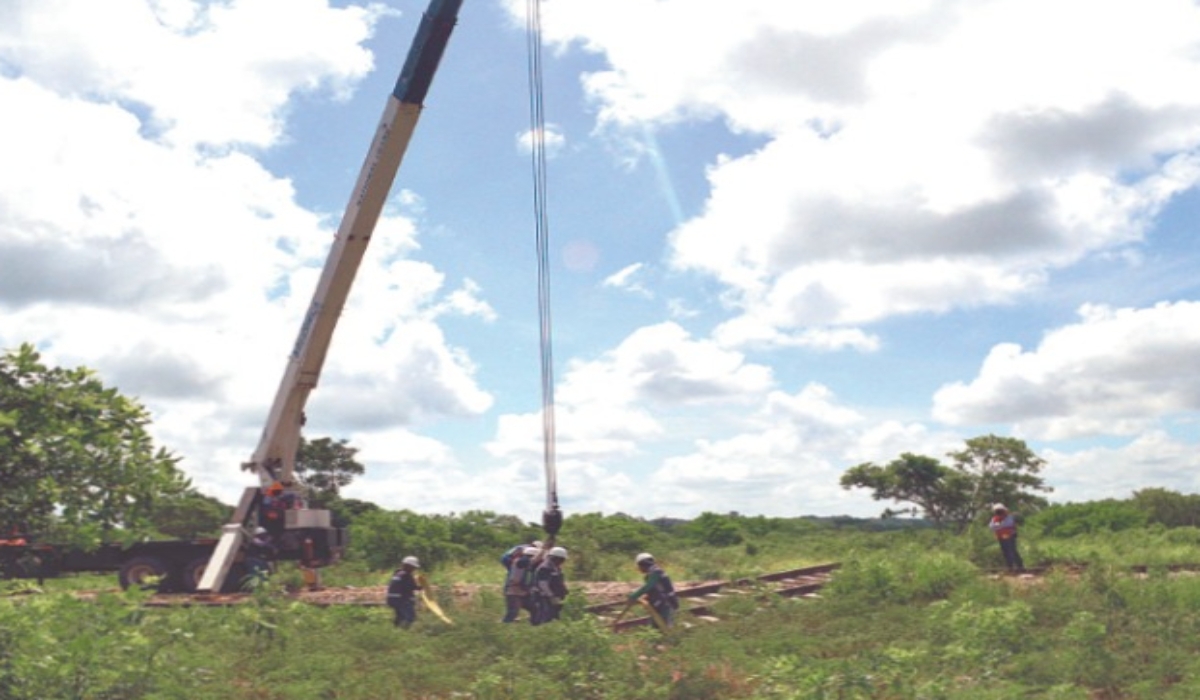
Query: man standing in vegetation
{"type": "Point", "coordinates": [1004, 525]}
{"type": "Point", "coordinates": [657, 588]}
{"type": "Point", "coordinates": [518, 584]}
{"type": "Point", "coordinates": [401, 590]}
{"type": "Point", "coordinates": [549, 588]}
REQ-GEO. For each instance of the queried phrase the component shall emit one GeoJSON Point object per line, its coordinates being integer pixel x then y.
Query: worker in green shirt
{"type": "Point", "coordinates": [657, 588]}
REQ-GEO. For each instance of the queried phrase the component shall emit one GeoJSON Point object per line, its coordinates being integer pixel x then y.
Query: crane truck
{"type": "Point", "coordinates": [277, 503]}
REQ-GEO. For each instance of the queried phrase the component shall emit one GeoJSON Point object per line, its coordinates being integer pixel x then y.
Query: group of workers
{"type": "Point", "coordinates": [534, 582]}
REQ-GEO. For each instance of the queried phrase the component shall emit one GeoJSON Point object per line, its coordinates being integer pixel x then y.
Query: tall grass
{"type": "Point", "coordinates": [909, 615]}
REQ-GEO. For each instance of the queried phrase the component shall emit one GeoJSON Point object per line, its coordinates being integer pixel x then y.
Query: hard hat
{"type": "Point", "coordinates": [275, 488]}
{"type": "Point", "coordinates": [538, 544]}
{"type": "Point", "coordinates": [260, 530]}
{"type": "Point", "coordinates": [644, 557]}
{"type": "Point", "coordinates": [531, 552]}
{"type": "Point", "coordinates": [411, 561]}
{"type": "Point", "coordinates": [998, 507]}
{"type": "Point", "coordinates": [559, 552]}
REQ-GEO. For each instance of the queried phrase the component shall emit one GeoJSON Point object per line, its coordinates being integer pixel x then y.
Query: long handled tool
{"type": "Point", "coordinates": [431, 603]}
{"type": "Point", "coordinates": [624, 610]}
{"type": "Point", "coordinates": [660, 623]}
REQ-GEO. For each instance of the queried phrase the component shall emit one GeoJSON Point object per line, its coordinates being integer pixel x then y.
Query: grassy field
{"type": "Point", "coordinates": [911, 614]}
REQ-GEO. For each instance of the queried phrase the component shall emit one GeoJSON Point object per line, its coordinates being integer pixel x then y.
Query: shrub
{"type": "Point", "coordinates": [901, 577]}
{"type": "Point", "coordinates": [1072, 519]}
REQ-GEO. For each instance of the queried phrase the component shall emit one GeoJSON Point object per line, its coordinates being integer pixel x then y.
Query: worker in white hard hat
{"type": "Point", "coordinates": [1004, 525]}
{"type": "Point", "coordinates": [657, 588]}
{"type": "Point", "coordinates": [518, 584]}
{"type": "Point", "coordinates": [549, 588]}
{"type": "Point", "coordinates": [401, 593]}
{"type": "Point", "coordinates": [260, 553]}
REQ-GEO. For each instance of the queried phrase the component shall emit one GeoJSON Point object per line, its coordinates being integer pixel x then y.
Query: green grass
{"type": "Point", "coordinates": [909, 615]}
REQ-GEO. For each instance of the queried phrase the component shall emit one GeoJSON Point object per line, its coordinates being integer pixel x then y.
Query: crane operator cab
{"type": "Point", "coordinates": [299, 533]}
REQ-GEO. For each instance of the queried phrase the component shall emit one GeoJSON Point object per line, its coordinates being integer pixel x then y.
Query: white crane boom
{"type": "Point", "coordinates": [308, 534]}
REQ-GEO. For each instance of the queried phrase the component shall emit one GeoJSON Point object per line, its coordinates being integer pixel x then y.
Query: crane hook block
{"type": "Point", "coordinates": [552, 520]}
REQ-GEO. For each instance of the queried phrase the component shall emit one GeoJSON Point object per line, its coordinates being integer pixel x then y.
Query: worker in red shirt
{"type": "Point", "coordinates": [1005, 528]}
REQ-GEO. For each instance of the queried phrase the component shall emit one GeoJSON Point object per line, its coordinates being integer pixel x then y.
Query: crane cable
{"type": "Point", "coordinates": [552, 516]}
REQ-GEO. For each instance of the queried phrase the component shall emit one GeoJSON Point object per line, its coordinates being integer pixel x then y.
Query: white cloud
{"type": "Point", "coordinates": [662, 365]}
{"type": "Point", "coordinates": [138, 238]}
{"type": "Point", "coordinates": [908, 161]}
{"type": "Point", "coordinates": [916, 161]}
{"type": "Point", "coordinates": [213, 74]}
{"type": "Point", "coordinates": [752, 331]}
{"type": "Point", "coordinates": [606, 407]}
{"type": "Point", "coordinates": [785, 459]}
{"type": "Point", "coordinates": [1152, 460]}
{"type": "Point", "coordinates": [553, 140]}
{"type": "Point", "coordinates": [627, 278]}
{"type": "Point", "coordinates": [1117, 371]}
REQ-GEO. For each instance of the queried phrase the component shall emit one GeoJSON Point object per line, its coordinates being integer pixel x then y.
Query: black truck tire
{"type": "Point", "coordinates": [193, 571]}
{"type": "Point", "coordinates": [139, 571]}
{"type": "Point", "coordinates": [236, 578]}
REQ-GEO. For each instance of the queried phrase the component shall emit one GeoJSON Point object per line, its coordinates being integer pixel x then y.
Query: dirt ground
{"type": "Point", "coordinates": [596, 592]}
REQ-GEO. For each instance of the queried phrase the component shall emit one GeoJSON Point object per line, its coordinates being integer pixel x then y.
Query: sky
{"type": "Point", "coordinates": [785, 239]}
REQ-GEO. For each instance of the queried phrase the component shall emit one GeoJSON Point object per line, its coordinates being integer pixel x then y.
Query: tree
{"type": "Point", "coordinates": [381, 538]}
{"type": "Point", "coordinates": [325, 467]}
{"type": "Point", "coordinates": [189, 515]}
{"type": "Point", "coordinates": [484, 530]}
{"type": "Point", "coordinates": [937, 492]}
{"type": "Point", "coordinates": [1170, 508]}
{"type": "Point", "coordinates": [1003, 470]}
{"type": "Point", "coordinates": [346, 510]}
{"type": "Point", "coordinates": [714, 530]}
{"type": "Point", "coordinates": [990, 469]}
{"type": "Point", "coordinates": [75, 453]}
{"type": "Point", "coordinates": [1071, 519]}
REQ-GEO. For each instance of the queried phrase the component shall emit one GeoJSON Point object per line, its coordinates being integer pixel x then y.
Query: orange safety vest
{"type": "Point", "coordinates": [1002, 533]}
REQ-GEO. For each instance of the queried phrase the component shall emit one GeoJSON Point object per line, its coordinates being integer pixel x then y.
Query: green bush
{"type": "Point", "coordinates": [907, 616]}
{"type": "Point", "coordinates": [1072, 519]}
{"type": "Point", "coordinates": [900, 577]}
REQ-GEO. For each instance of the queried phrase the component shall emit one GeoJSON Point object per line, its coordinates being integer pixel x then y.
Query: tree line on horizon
{"type": "Point", "coordinates": [80, 467]}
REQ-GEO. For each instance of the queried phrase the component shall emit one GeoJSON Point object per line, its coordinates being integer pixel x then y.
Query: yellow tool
{"type": "Point", "coordinates": [624, 610]}
{"type": "Point", "coordinates": [658, 621]}
{"type": "Point", "coordinates": [430, 602]}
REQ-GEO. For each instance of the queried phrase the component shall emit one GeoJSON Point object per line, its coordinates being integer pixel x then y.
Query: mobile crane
{"type": "Point", "coordinates": [299, 533]}
{"type": "Point", "coordinates": [308, 535]}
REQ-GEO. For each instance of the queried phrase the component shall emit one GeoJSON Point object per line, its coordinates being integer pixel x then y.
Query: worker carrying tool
{"type": "Point", "coordinates": [657, 588]}
{"type": "Point", "coordinates": [401, 592]}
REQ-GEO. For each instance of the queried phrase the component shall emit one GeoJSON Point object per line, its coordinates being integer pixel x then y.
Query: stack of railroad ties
{"type": "Point", "coordinates": [795, 582]}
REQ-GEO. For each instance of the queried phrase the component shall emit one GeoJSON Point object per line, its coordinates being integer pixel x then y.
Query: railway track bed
{"type": "Point", "coordinates": [698, 603]}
